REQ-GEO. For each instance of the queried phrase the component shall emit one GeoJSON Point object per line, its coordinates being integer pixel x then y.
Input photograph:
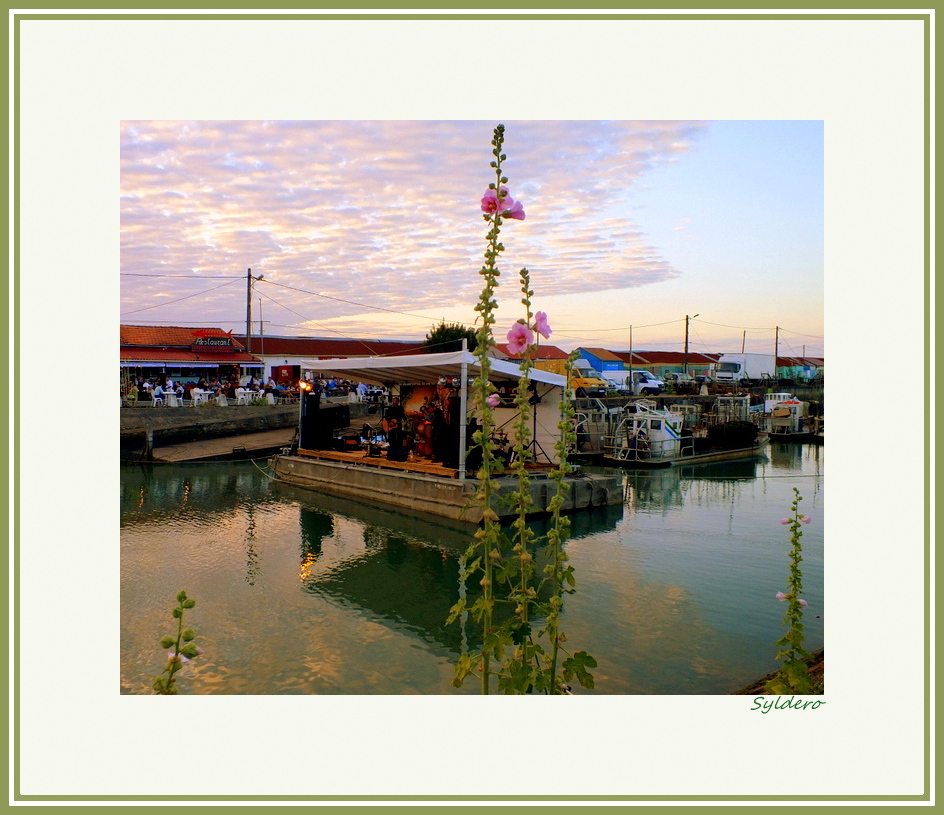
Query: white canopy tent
{"type": "Point", "coordinates": [422, 369]}
{"type": "Point", "coordinates": [428, 369]}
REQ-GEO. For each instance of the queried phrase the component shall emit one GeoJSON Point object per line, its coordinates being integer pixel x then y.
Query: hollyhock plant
{"type": "Point", "coordinates": [519, 338]}
{"type": "Point", "coordinates": [494, 400]}
{"type": "Point", "coordinates": [541, 325]}
{"type": "Point", "coordinates": [794, 674]}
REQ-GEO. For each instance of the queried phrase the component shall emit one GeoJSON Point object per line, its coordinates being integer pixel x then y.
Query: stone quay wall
{"type": "Point", "coordinates": [182, 424]}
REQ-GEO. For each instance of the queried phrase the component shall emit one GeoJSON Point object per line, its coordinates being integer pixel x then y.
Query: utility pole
{"type": "Point", "coordinates": [687, 318]}
{"type": "Point", "coordinates": [248, 311]}
{"type": "Point", "coordinates": [743, 340]}
{"type": "Point", "coordinates": [249, 280]}
{"type": "Point", "coordinates": [630, 353]}
{"type": "Point", "coordinates": [776, 349]}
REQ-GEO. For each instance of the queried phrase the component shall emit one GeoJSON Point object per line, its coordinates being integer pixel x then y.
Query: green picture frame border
{"type": "Point", "coordinates": [13, 447]}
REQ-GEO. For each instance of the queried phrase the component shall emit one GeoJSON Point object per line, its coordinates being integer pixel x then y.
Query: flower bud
{"type": "Point", "coordinates": [167, 642]}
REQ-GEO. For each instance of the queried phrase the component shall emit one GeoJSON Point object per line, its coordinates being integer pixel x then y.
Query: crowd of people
{"type": "Point", "coordinates": [159, 388]}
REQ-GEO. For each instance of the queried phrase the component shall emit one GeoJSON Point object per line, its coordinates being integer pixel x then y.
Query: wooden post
{"type": "Point", "coordinates": [463, 407]}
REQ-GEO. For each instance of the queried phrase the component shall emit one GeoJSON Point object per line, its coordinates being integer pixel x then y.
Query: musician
{"type": "Point", "coordinates": [393, 422]}
{"type": "Point", "coordinates": [394, 413]}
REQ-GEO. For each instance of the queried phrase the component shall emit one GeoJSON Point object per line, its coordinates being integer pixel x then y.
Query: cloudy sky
{"type": "Point", "coordinates": [373, 229]}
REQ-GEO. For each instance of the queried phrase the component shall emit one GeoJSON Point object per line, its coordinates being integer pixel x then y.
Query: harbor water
{"type": "Point", "coordinates": [301, 593]}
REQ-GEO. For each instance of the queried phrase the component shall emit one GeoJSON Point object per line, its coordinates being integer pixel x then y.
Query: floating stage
{"type": "Point", "coordinates": [433, 488]}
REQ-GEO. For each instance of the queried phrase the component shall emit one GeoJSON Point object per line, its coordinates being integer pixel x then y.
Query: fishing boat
{"type": "Point", "coordinates": [647, 436]}
{"type": "Point", "coordinates": [328, 459]}
{"type": "Point", "coordinates": [640, 434]}
{"type": "Point", "coordinates": [786, 418]}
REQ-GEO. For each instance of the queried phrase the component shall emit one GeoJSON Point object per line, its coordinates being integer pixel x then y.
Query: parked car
{"type": "Point", "coordinates": [679, 382]}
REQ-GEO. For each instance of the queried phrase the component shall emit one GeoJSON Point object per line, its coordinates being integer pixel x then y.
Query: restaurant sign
{"type": "Point", "coordinates": [224, 343]}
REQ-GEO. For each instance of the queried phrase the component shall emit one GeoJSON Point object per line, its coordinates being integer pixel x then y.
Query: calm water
{"type": "Point", "coordinates": [299, 593]}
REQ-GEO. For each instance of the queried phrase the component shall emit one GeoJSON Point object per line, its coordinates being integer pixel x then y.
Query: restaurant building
{"type": "Point", "coordinates": [282, 357]}
{"type": "Point", "coordinates": [184, 354]}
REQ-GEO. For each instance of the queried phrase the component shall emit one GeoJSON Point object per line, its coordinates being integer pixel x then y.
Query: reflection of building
{"type": "Point", "coordinates": [183, 354]}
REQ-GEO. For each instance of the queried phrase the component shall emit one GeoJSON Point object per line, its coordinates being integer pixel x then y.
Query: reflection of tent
{"type": "Point", "coordinates": [429, 369]}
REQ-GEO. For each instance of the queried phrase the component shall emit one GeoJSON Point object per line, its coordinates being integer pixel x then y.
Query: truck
{"type": "Point", "coordinates": [745, 369]}
{"type": "Point", "coordinates": [587, 383]}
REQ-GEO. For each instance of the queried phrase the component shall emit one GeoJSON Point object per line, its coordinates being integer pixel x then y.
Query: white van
{"type": "Point", "coordinates": [643, 383]}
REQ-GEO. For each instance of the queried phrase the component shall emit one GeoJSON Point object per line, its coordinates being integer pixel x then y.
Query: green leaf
{"type": "Point", "coordinates": [455, 611]}
{"type": "Point", "coordinates": [576, 667]}
{"type": "Point", "coordinates": [520, 633]}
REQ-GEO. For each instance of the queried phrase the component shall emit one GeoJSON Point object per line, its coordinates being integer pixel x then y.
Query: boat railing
{"type": "Point", "coordinates": [625, 443]}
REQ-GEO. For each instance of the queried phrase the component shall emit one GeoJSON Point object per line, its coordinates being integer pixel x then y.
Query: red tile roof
{"type": "Point", "coordinates": [315, 347]}
{"type": "Point", "coordinates": [169, 336]}
{"type": "Point", "coordinates": [666, 357]}
{"type": "Point", "coordinates": [604, 355]}
{"type": "Point", "coordinates": [543, 352]}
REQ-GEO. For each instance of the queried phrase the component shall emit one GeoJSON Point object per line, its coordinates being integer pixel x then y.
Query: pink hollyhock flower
{"type": "Point", "coordinates": [780, 596]}
{"type": "Point", "coordinates": [541, 326]}
{"type": "Point", "coordinates": [805, 519]}
{"type": "Point", "coordinates": [804, 603]}
{"type": "Point", "coordinates": [784, 520]}
{"type": "Point", "coordinates": [490, 202]}
{"type": "Point", "coordinates": [493, 400]}
{"type": "Point", "coordinates": [509, 207]}
{"type": "Point", "coordinates": [516, 210]}
{"type": "Point", "coordinates": [519, 338]}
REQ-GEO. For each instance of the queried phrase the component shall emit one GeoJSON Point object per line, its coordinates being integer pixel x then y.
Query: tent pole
{"type": "Point", "coordinates": [463, 407]}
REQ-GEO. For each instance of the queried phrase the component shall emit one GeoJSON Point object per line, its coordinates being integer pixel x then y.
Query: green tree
{"type": "Point", "coordinates": [448, 337]}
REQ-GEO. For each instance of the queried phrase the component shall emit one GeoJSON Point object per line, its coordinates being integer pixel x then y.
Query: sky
{"type": "Point", "coordinates": [373, 229]}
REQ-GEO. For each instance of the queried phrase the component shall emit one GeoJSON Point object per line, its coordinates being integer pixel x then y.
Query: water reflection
{"type": "Point", "coordinates": [300, 592]}
{"type": "Point", "coordinates": [402, 568]}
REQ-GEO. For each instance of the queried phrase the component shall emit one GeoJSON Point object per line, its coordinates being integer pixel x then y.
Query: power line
{"type": "Point", "coordinates": [771, 328]}
{"type": "Point", "coordinates": [171, 302]}
{"type": "Point", "coordinates": [186, 276]}
{"type": "Point", "coordinates": [348, 302]}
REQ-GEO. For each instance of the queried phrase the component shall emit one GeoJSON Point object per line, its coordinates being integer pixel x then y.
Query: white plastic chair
{"type": "Point", "coordinates": [198, 397]}
{"type": "Point", "coordinates": [242, 396]}
{"type": "Point", "coordinates": [156, 401]}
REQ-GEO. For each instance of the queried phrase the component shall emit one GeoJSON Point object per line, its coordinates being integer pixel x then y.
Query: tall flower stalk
{"type": "Point", "coordinates": [793, 676]}
{"type": "Point", "coordinates": [184, 648]}
{"type": "Point", "coordinates": [510, 601]}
